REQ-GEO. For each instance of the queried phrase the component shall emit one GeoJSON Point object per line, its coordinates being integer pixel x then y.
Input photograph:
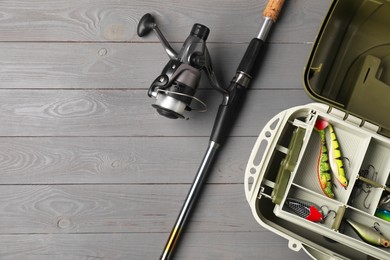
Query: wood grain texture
{"type": "Point", "coordinates": [134, 65]}
{"type": "Point", "coordinates": [229, 245]}
{"type": "Point", "coordinates": [27, 209]}
{"type": "Point", "coordinates": [89, 170]}
{"type": "Point", "coordinates": [127, 113]}
{"type": "Point", "coordinates": [114, 160]}
{"type": "Point", "coordinates": [112, 20]}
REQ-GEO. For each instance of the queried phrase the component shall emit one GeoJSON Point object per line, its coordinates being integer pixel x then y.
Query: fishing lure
{"type": "Point", "coordinates": [323, 166]}
{"type": "Point", "coordinates": [360, 183]}
{"type": "Point", "coordinates": [335, 156]}
{"type": "Point", "coordinates": [370, 235]}
{"type": "Point", "coordinates": [383, 214]}
{"type": "Point", "coordinates": [336, 159]}
{"type": "Point", "coordinates": [385, 203]}
{"type": "Point", "coordinates": [306, 209]}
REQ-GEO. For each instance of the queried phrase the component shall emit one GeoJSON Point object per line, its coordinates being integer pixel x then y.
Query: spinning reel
{"type": "Point", "coordinates": [175, 88]}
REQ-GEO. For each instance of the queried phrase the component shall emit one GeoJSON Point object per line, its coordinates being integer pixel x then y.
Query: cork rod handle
{"type": "Point", "coordinates": [273, 8]}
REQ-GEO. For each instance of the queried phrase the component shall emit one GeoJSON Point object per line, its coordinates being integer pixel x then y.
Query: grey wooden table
{"type": "Point", "coordinates": [89, 170]}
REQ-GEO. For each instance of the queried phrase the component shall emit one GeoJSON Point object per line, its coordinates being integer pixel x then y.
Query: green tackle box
{"type": "Point", "coordinates": [348, 73]}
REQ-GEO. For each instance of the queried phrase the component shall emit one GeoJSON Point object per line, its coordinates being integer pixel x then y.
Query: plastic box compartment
{"type": "Point", "coordinates": [348, 72]}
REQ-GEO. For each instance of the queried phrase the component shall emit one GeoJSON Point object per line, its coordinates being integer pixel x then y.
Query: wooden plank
{"type": "Point", "coordinates": [127, 113]}
{"type": "Point", "coordinates": [75, 209]}
{"type": "Point", "coordinates": [117, 160]}
{"type": "Point", "coordinates": [237, 245]}
{"type": "Point", "coordinates": [118, 212]}
{"type": "Point", "coordinates": [88, 168]}
{"type": "Point", "coordinates": [111, 20]}
{"type": "Point", "coordinates": [134, 65]}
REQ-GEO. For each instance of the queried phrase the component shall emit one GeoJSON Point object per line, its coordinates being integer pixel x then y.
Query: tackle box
{"type": "Point", "coordinates": [348, 73]}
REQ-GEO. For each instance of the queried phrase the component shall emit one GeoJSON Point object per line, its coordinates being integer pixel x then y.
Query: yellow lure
{"type": "Point", "coordinates": [336, 159]}
{"type": "Point", "coordinates": [323, 166]}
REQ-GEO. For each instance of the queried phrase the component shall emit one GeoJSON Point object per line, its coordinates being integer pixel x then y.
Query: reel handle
{"type": "Point", "coordinates": [145, 25]}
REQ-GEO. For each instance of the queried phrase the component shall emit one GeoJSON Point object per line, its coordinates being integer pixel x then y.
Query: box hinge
{"type": "Point", "coordinates": [337, 113]}
{"type": "Point", "coordinates": [354, 120]}
{"type": "Point", "coordinates": [371, 126]}
{"type": "Point", "coordinates": [384, 132]}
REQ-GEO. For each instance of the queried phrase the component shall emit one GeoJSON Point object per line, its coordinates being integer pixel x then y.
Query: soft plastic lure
{"type": "Point", "coordinates": [383, 214]}
{"type": "Point", "coordinates": [370, 235]}
{"type": "Point", "coordinates": [323, 166]}
{"type": "Point", "coordinates": [335, 156]}
{"type": "Point", "coordinates": [305, 209]}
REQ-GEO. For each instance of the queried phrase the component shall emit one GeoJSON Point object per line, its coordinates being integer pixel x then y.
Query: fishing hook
{"type": "Point", "coordinates": [365, 172]}
{"type": "Point", "coordinates": [327, 209]}
{"type": "Point", "coordinates": [331, 211]}
{"type": "Point", "coordinates": [365, 200]}
{"type": "Point", "coordinates": [347, 159]}
{"type": "Point", "coordinates": [376, 227]}
{"type": "Point", "coordinates": [327, 212]}
{"type": "Point", "coordinates": [375, 173]}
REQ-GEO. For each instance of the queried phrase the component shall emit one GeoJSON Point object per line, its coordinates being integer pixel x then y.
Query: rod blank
{"type": "Point", "coordinates": [225, 118]}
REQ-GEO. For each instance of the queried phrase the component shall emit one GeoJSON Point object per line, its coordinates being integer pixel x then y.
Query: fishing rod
{"type": "Point", "coordinates": [175, 88]}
